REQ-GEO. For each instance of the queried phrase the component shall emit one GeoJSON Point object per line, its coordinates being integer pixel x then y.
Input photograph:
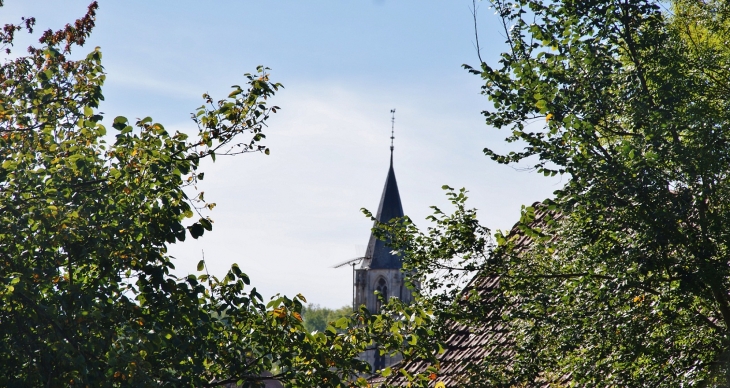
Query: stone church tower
{"type": "Point", "coordinates": [381, 268]}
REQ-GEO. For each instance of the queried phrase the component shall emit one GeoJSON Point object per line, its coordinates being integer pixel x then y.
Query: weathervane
{"type": "Point", "coordinates": [392, 130]}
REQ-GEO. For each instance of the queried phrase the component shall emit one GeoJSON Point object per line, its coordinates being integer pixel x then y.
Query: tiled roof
{"type": "Point", "coordinates": [468, 343]}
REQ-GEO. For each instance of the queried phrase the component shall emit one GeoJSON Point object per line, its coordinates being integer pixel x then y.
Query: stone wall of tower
{"type": "Point", "coordinates": [391, 284]}
{"type": "Point", "coordinates": [381, 267]}
{"type": "Point", "coordinates": [390, 280]}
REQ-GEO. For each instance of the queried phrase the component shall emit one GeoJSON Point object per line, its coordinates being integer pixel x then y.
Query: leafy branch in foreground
{"type": "Point", "coordinates": [87, 297]}
{"type": "Point", "coordinates": [622, 278]}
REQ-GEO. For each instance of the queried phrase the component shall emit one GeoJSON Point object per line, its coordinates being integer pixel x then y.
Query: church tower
{"type": "Point", "coordinates": [381, 267]}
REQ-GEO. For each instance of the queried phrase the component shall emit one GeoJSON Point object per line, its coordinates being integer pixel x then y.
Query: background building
{"type": "Point", "coordinates": [381, 268]}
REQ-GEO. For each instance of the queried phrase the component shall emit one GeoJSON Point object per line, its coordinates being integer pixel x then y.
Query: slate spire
{"type": "Point", "coordinates": [378, 255]}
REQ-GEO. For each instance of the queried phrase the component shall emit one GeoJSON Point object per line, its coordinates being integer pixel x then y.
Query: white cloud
{"type": "Point", "coordinates": [162, 86]}
{"type": "Point", "coordinates": [288, 217]}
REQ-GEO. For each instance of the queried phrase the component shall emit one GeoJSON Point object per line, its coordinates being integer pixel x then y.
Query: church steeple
{"type": "Point", "coordinates": [380, 276]}
{"type": "Point", "coordinates": [378, 255]}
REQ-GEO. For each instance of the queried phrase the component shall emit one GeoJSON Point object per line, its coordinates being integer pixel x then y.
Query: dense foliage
{"type": "Point", "coordinates": [86, 293]}
{"type": "Point", "coordinates": [634, 286]}
{"type": "Point", "coordinates": [626, 279]}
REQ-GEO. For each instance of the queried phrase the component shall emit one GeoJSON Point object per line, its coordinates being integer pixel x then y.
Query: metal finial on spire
{"type": "Point", "coordinates": [392, 130]}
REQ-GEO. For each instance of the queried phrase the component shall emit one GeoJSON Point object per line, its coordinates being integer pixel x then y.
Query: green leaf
{"type": "Point", "coordinates": [342, 322]}
{"type": "Point", "coordinates": [196, 230]}
{"type": "Point", "coordinates": [120, 122]}
{"type": "Point", "coordinates": [236, 270]}
{"type": "Point", "coordinates": [206, 223]}
{"type": "Point", "coordinates": [9, 165]}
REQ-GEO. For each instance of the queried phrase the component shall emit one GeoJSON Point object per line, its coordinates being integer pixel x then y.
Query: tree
{"type": "Point", "coordinates": [317, 318]}
{"type": "Point", "coordinates": [626, 279]}
{"type": "Point", "coordinates": [86, 293]}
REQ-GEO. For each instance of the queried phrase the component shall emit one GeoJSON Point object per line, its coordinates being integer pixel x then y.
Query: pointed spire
{"type": "Point", "coordinates": [378, 254]}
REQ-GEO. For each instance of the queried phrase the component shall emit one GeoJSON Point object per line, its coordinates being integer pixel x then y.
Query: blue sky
{"type": "Point", "coordinates": [287, 217]}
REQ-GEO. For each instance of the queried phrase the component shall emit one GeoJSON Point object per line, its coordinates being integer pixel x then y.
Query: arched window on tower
{"type": "Point", "coordinates": [382, 288]}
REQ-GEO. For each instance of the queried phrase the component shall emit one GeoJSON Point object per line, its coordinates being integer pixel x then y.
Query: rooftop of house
{"type": "Point", "coordinates": [471, 341]}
